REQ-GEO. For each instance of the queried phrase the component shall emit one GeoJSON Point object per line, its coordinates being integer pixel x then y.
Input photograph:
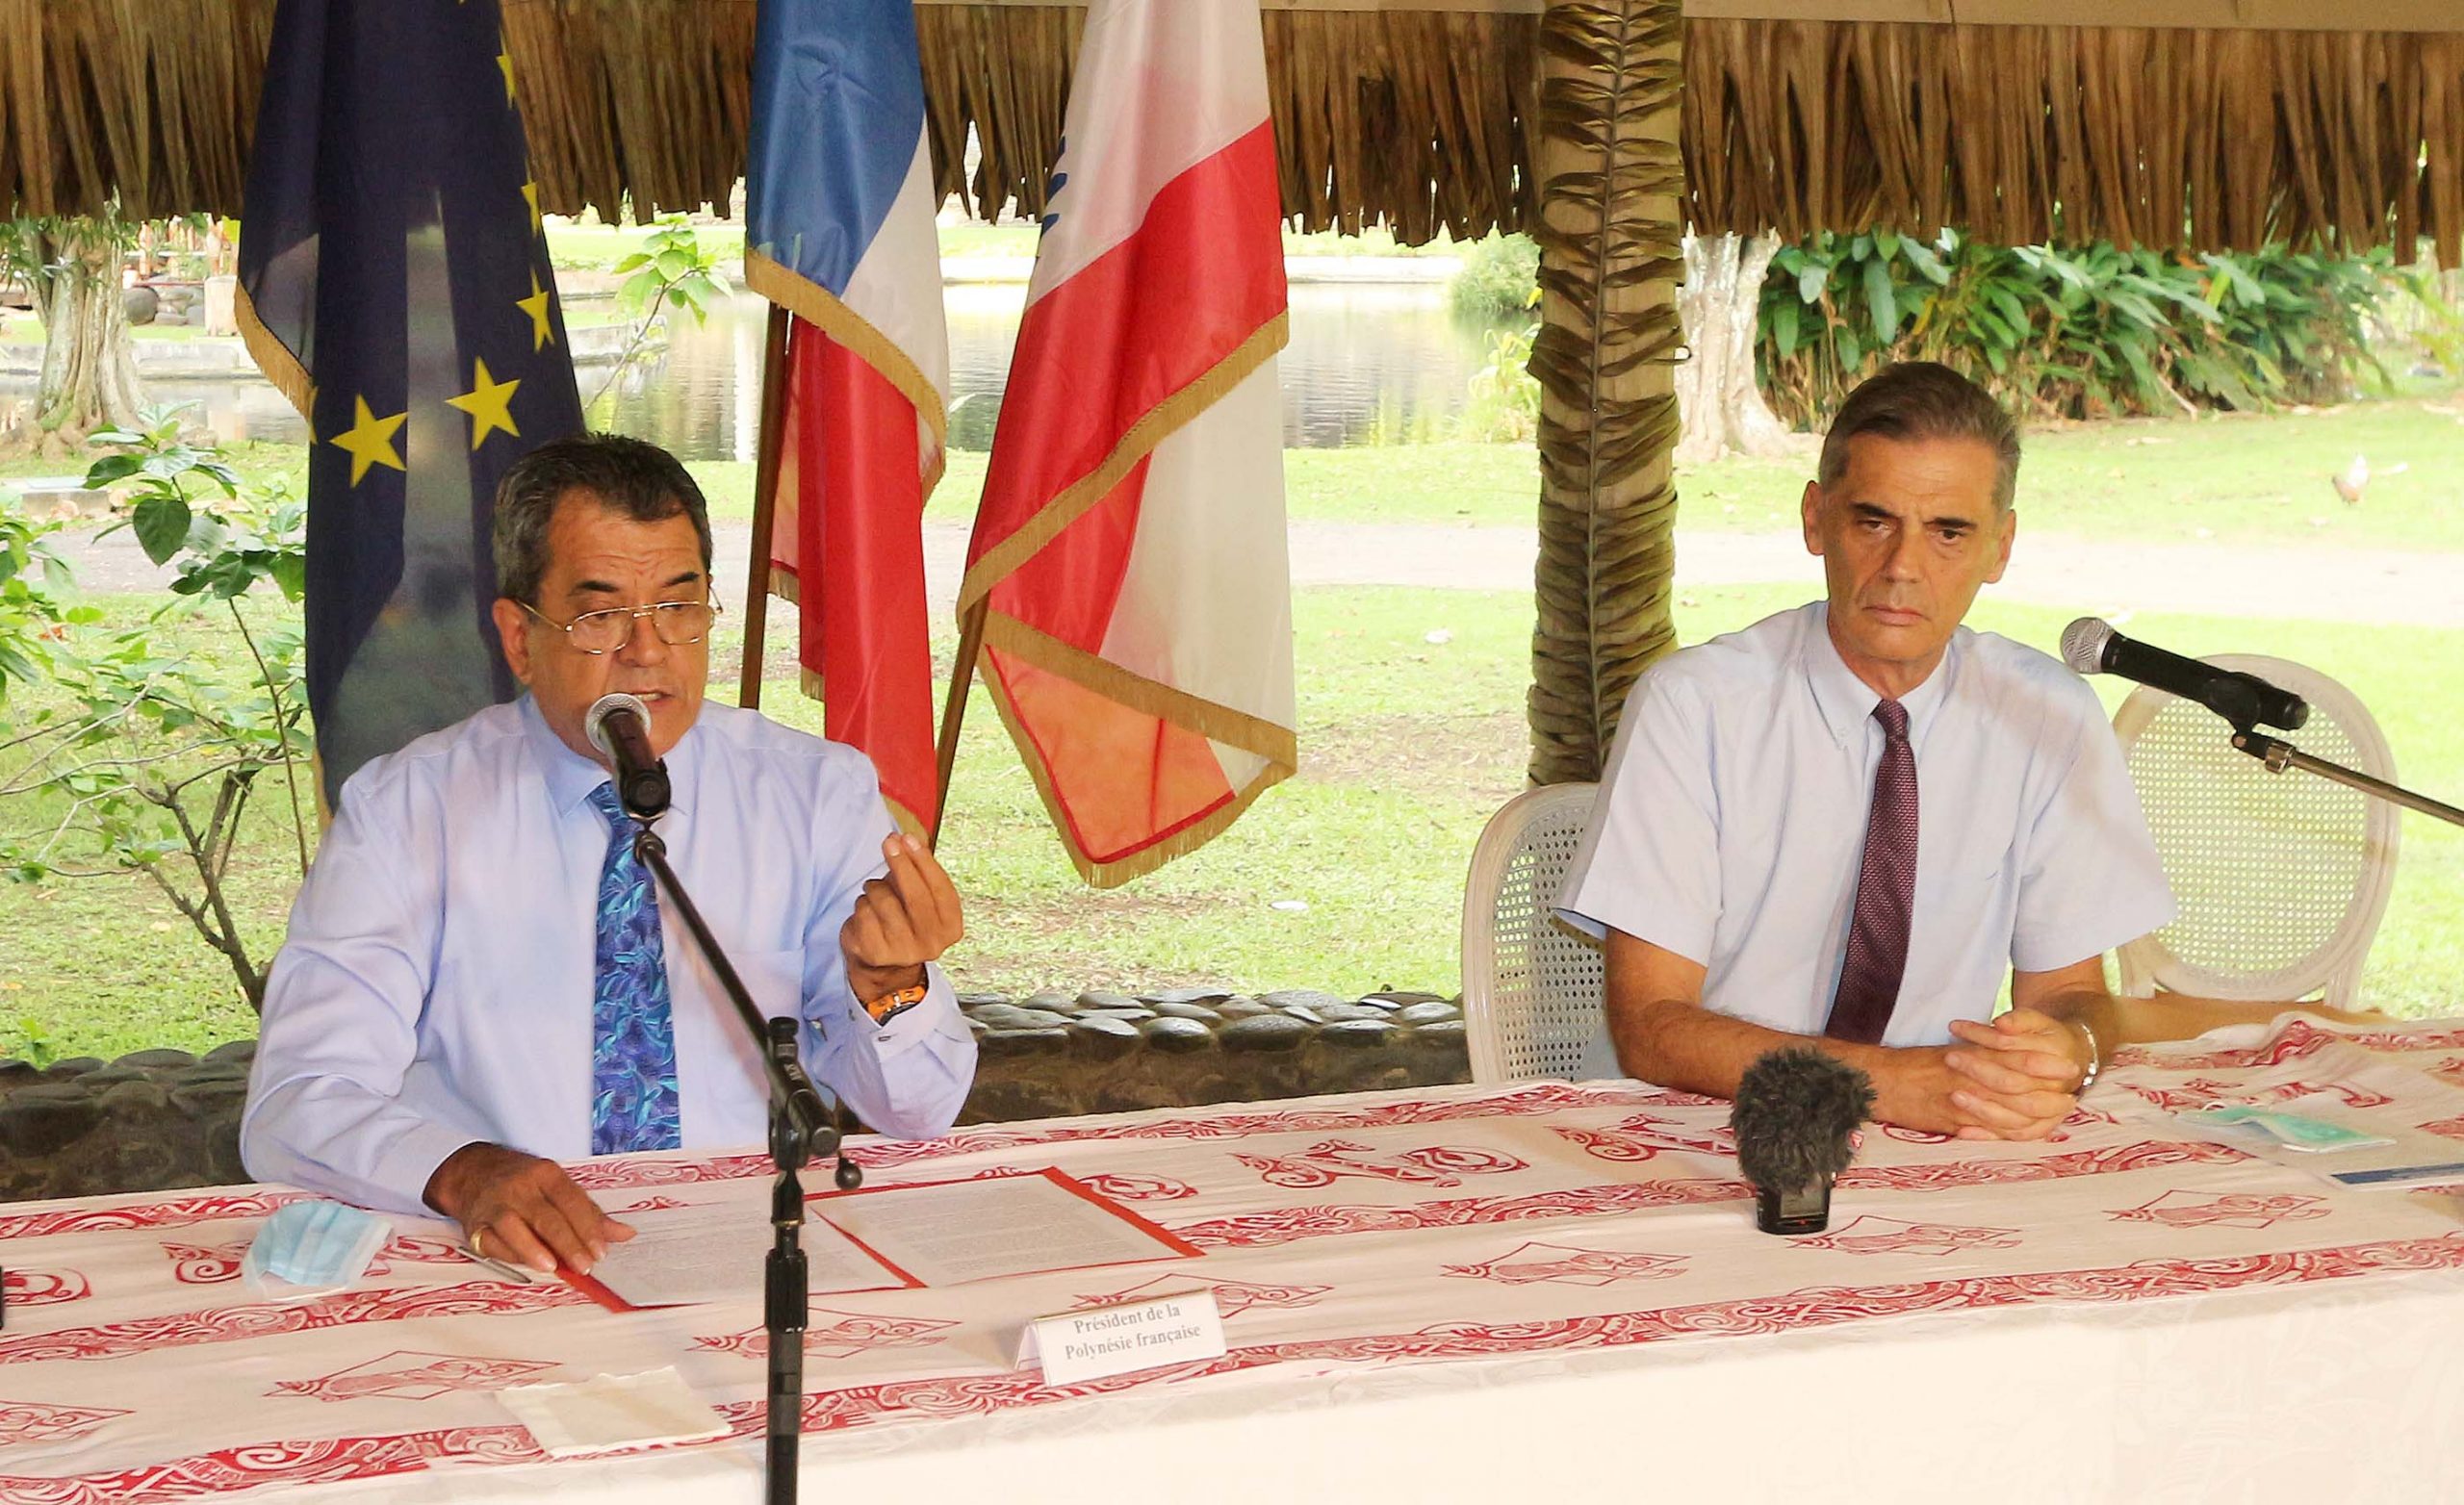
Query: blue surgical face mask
{"type": "Point", "coordinates": [317, 1245]}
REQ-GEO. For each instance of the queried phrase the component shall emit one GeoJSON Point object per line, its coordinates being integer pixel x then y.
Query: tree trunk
{"type": "Point", "coordinates": [1716, 391]}
{"type": "Point", "coordinates": [1611, 183]}
{"type": "Point", "coordinates": [89, 374]}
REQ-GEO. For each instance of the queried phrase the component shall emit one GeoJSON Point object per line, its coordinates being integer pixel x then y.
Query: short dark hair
{"type": "Point", "coordinates": [1924, 400]}
{"type": "Point", "coordinates": [627, 476]}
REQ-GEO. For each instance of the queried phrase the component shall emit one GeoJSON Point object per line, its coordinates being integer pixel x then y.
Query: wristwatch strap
{"type": "Point", "coordinates": [889, 1005]}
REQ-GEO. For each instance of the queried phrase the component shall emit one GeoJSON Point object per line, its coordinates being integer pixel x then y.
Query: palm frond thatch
{"type": "Point", "coordinates": [2211, 140]}
{"type": "Point", "coordinates": [1609, 233]}
{"type": "Point", "coordinates": [2203, 137]}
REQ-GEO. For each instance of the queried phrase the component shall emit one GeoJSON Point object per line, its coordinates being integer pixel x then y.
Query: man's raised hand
{"type": "Point", "coordinates": [902, 920]}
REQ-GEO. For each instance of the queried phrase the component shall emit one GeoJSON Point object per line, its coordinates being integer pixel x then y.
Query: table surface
{"type": "Point", "coordinates": [1360, 1249]}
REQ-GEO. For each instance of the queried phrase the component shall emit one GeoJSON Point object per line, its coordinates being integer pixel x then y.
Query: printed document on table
{"type": "Point", "coordinates": [714, 1252]}
{"type": "Point", "coordinates": [952, 1231]}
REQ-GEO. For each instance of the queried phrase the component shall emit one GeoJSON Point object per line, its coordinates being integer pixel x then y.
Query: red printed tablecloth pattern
{"type": "Point", "coordinates": [1462, 1224]}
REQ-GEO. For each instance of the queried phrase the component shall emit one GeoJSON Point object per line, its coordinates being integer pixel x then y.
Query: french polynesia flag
{"type": "Point", "coordinates": [838, 230]}
{"type": "Point", "coordinates": [1129, 557]}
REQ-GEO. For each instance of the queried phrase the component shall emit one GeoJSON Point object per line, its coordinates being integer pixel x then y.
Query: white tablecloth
{"type": "Point", "coordinates": [1535, 1291]}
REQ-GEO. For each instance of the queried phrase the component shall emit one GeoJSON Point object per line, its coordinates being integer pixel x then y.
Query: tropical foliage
{"type": "Point", "coordinates": [2085, 331]}
{"type": "Point", "coordinates": [673, 268]}
{"type": "Point", "coordinates": [1497, 279]}
{"type": "Point", "coordinates": [141, 756]}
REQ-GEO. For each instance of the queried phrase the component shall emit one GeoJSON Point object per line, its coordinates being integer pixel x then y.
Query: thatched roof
{"type": "Point", "coordinates": [1417, 112]}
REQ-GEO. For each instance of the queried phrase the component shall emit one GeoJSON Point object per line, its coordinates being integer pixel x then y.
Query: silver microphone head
{"type": "Point", "coordinates": [2083, 644]}
{"type": "Point", "coordinates": [594, 722]}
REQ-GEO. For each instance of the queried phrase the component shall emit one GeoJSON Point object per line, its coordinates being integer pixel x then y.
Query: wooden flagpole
{"type": "Point", "coordinates": [953, 711]}
{"type": "Point", "coordinates": [766, 487]}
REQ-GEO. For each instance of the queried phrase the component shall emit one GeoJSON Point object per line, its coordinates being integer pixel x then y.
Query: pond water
{"type": "Point", "coordinates": [1367, 361]}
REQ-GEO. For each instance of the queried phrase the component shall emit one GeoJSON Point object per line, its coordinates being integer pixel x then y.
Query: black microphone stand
{"type": "Point", "coordinates": [2280, 754]}
{"type": "Point", "coordinates": [801, 1126]}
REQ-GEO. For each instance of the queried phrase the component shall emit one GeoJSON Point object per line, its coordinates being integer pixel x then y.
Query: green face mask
{"type": "Point", "coordinates": [2292, 1131]}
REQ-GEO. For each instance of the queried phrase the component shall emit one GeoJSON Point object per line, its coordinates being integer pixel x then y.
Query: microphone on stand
{"type": "Point", "coordinates": [1795, 1113]}
{"type": "Point", "coordinates": [2090, 645]}
{"type": "Point", "coordinates": [618, 727]}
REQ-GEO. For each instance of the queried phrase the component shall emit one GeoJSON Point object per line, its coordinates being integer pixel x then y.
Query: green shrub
{"type": "Point", "coordinates": [142, 757]}
{"type": "Point", "coordinates": [35, 586]}
{"type": "Point", "coordinates": [1498, 279]}
{"type": "Point", "coordinates": [1503, 397]}
{"type": "Point", "coordinates": [2087, 332]}
{"type": "Point", "coordinates": [2081, 332]}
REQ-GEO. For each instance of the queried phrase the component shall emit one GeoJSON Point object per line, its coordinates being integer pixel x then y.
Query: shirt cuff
{"type": "Point", "coordinates": [403, 1171]}
{"type": "Point", "coordinates": [938, 1013]}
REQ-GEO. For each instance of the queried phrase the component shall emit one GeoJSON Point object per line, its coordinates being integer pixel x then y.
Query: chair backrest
{"type": "Point", "coordinates": [2281, 878]}
{"type": "Point", "coordinates": [1531, 987]}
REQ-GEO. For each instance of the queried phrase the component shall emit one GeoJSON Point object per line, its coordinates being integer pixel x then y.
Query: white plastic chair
{"type": "Point", "coordinates": [2281, 878]}
{"type": "Point", "coordinates": [1532, 985]}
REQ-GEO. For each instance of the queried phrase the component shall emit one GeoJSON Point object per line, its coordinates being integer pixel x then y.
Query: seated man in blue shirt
{"type": "Point", "coordinates": [477, 983]}
{"type": "Point", "coordinates": [1756, 860]}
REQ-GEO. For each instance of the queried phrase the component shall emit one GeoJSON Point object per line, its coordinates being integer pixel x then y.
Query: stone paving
{"type": "Point", "coordinates": [159, 1119]}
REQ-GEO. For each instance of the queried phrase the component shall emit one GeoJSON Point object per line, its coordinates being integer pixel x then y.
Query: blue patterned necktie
{"type": "Point", "coordinates": [632, 1048]}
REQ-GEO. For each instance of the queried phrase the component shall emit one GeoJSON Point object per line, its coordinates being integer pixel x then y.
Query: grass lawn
{"type": "Point", "coordinates": [2226, 477]}
{"type": "Point", "coordinates": [2233, 477]}
{"type": "Point", "coordinates": [1452, 483]}
{"type": "Point", "coordinates": [1407, 745]}
{"type": "Point", "coordinates": [259, 462]}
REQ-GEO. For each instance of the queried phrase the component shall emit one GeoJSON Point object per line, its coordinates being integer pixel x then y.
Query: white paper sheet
{"type": "Point", "coordinates": [950, 1233]}
{"type": "Point", "coordinates": [608, 1411]}
{"type": "Point", "coordinates": [714, 1252]}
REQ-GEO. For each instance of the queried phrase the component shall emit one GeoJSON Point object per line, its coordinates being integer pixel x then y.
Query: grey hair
{"type": "Point", "coordinates": [1924, 400]}
{"type": "Point", "coordinates": [627, 476]}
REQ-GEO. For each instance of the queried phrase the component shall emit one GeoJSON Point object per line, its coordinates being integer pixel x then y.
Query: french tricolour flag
{"type": "Point", "coordinates": [838, 230]}
{"type": "Point", "coordinates": [1129, 558]}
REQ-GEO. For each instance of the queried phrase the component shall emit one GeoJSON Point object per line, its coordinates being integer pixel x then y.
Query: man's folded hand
{"type": "Point", "coordinates": [2021, 1075]}
{"type": "Point", "coordinates": [2014, 1080]}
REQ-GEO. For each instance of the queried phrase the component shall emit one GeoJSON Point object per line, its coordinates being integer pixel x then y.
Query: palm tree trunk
{"type": "Point", "coordinates": [1611, 196]}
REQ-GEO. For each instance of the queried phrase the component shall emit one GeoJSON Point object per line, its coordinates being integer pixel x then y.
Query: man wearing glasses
{"type": "Point", "coordinates": [477, 984]}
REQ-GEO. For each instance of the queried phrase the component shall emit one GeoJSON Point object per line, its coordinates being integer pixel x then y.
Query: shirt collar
{"type": "Point", "coordinates": [572, 777]}
{"type": "Point", "coordinates": [1847, 702]}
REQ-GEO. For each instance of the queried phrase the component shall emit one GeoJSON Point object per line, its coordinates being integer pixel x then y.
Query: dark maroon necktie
{"type": "Point", "coordinates": [1885, 893]}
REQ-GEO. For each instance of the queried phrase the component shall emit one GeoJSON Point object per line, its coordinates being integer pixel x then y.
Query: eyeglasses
{"type": "Point", "coordinates": [677, 623]}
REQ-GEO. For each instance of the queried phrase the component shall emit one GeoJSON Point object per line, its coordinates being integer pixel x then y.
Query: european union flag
{"type": "Point", "coordinates": [395, 286]}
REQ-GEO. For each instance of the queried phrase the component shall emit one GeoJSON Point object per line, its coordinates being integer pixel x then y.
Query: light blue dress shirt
{"type": "Point", "coordinates": [1732, 822]}
{"type": "Point", "coordinates": [435, 985]}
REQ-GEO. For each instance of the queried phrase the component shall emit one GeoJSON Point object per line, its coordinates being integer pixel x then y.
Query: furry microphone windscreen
{"type": "Point", "coordinates": [1794, 1112]}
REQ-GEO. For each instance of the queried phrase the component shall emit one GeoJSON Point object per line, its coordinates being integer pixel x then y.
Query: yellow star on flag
{"type": "Point", "coordinates": [489, 402]}
{"type": "Point", "coordinates": [530, 197]}
{"type": "Point", "coordinates": [370, 441]}
{"type": "Point", "coordinates": [536, 306]}
{"type": "Point", "coordinates": [504, 60]}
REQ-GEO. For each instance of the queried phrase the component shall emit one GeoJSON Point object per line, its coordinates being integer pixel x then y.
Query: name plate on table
{"type": "Point", "coordinates": [1102, 1341]}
